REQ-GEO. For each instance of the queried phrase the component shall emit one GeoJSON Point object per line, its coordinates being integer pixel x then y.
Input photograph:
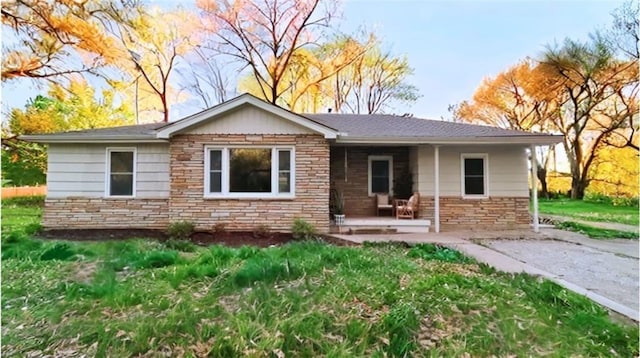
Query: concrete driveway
{"type": "Point", "coordinates": [609, 269]}
{"type": "Point", "coordinates": [606, 271]}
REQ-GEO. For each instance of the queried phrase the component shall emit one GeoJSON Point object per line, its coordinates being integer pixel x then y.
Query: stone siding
{"type": "Point", "coordinates": [495, 213]}
{"type": "Point", "coordinates": [98, 213]}
{"type": "Point", "coordinates": [355, 186]}
{"type": "Point", "coordinates": [311, 201]}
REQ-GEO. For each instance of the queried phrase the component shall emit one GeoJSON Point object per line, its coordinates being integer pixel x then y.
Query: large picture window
{"type": "Point", "coordinates": [249, 172]}
{"type": "Point", "coordinates": [474, 175]}
{"type": "Point", "coordinates": [121, 172]}
{"type": "Point", "coordinates": [380, 174]}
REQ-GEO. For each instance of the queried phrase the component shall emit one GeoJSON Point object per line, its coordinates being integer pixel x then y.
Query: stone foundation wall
{"type": "Point", "coordinates": [311, 201]}
{"type": "Point", "coordinates": [98, 213]}
{"type": "Point", "coordinates": [495, 213]}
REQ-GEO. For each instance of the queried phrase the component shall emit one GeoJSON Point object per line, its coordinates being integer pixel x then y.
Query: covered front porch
{"type": "Point", "coordinates": [461, 187]}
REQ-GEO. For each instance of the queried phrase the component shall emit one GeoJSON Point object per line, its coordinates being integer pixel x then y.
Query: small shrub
{"type": "Point", "coordinates": [180, 230]}
{"type": "Point", "coordinates": [436, 252]}
{"type": "Point", "coordinates": [61, 251]}
{"type": "Point", "coordinates": [261, 231]}
{"type": "Point", "coordinates": [157, 259]}
{"type": "Point", "coordinates": [302, 230]}
{"type": "Point", "coordinates": [180, 245]}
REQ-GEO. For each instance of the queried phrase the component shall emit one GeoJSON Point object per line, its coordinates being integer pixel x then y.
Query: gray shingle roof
{"type": "Point", "coordinates": [390, 126]}
{"type": "Point", "coordinates": [133, 130]}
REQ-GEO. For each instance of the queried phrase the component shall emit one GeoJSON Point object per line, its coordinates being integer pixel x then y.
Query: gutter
{"type": "Point", "coordinates": [528, 140]}
{"type": "Point", "coordinates": [89, 139]}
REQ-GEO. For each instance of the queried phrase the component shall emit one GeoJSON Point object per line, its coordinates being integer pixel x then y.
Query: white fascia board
{"type": "Point", "coordinates": [168, 131]}
{"type": "Point", "coordinates": [85, 139]}
{"type": "Point", "coordinates": [529, 140]}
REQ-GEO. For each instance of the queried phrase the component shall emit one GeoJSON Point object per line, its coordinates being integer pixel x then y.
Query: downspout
{"type": "Point", "coordinates": [436, 188]}
{"type": "Point", "coordinates": [534, 188]}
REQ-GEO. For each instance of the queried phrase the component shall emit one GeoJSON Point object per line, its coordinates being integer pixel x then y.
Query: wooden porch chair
{"type": "Point", "coordinates": [408, 209]}
{"type": "Point", "coordinates": [382, 203]}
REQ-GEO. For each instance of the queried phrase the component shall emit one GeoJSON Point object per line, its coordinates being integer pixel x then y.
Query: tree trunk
{"type": "Point", "coordinates": [578, 187]}
{"type": "Point", "coordinates": [542, 177]}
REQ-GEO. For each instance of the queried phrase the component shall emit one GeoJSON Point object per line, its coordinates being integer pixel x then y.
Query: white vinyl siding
{"type": "Point", "coordinates": [507, 170]}
{"type": "Point", "coordinates": [78, 170]}
{"type": "Point", "coordinates": [249, 120]}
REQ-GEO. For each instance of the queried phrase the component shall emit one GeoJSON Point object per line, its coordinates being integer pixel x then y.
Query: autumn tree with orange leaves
{"type": "Point", "coordinates": [45, 32]}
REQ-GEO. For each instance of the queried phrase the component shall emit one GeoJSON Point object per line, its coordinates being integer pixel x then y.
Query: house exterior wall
{"type": "Point", "coordinates": [507, 169]}
{"type": "Point", "coordinates": [79, 170]}
{"type": "Point", "coordinates": [76, 188]}
{"type": "Point", "coordinates": [507, 203]}
{"type": "Point", "coordinates": [311, 201]}
{"type": "Point", "coordinates": [353, 183]}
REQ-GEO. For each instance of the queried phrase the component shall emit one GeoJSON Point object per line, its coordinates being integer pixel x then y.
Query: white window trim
{"type": "Point", "coordinates": [371, 158]}
{"type": "Point", "coordinates": [107, 171]}
{"type": "Point", "coordinates": [485, 158]}
{"type": "Point", "coordinates": [226, 194]}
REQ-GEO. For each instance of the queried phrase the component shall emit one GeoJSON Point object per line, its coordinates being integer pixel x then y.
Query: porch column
{"type": "Point", "coordinates": [436, 188]}
{"type": "Point", "coordinates": [534, 188]}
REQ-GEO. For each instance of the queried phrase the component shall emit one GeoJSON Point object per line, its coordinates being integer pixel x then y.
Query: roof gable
{"type": "Point", "coordinates": [219, 111]}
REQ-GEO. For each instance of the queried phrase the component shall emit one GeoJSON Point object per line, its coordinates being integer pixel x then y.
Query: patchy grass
{"type": "Point", "coordinates": [597, 233]}
{"type": "Point", "coordinates": [141, 297]}
{"type": "Point", "coordinates": [590, 211]}
{"type": "Point", "coordinates": [18, 213]}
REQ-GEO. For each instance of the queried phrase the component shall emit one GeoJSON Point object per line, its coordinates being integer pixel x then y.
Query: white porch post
{"type": "Point", "coordinates": [436, 188]}
{"type": "Point", "coordinates": [534, 188]}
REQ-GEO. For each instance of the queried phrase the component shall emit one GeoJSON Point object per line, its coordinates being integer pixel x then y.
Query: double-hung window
{"type": "Point", "coordinates": [249, 172]}
{"type": "Point", "coordinates": [121, 172]}
{"type": "Point", "coordinates": [474, 175]}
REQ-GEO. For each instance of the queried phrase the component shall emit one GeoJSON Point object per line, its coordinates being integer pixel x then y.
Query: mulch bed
{"type": "Point", "coordinates": [227, 238]}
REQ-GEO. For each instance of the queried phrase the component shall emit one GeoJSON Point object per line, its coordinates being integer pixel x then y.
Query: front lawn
{"type": "Point", "coordinates": [590, 211]}
{"type": "Point", "coordinates": [142, 297]}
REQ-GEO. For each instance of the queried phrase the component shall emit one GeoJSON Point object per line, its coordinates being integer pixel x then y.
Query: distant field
{"type": "Point", "coordinates": [590, 211]}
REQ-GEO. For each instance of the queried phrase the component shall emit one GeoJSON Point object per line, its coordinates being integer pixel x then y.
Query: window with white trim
{"type": "Point", "coordinates": [380, 174]}
{"type": "Point", "coordinates": [474, 175]}
{"type": "Point", "coordinates": [121, 172]}
{"type": "Point", "coordinates": [250, 171]}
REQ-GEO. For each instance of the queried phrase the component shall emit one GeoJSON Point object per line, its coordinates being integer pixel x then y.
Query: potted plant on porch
{"type": "Point", "coordinates": [338, 207]}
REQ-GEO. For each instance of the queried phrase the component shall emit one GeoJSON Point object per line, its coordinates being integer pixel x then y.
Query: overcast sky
{"type": "Point", "coordinates": [452, 45]}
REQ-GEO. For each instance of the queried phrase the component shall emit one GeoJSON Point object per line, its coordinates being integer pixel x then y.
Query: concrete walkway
{"type": "Point", "coordinates": [467, 243]}
{"type": "Point", "coordinates": [598, 224]}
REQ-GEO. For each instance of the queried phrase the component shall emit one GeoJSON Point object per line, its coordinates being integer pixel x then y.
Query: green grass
{"type": "Point", "coordinates": [597, 233]}
{"type": "Point", "coordinates": [590, 211]}
{"type": "Point", "coordinates": [137, 297]}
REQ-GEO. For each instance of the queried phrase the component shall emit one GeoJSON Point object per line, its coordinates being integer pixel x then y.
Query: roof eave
{"type": "Point", "coordinates": [97, 139]}
{"type": "Point", "coordinates": [528, 140]}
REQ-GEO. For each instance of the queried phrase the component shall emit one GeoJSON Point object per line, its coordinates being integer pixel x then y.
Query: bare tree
{"type": "Point", "coordinates": [205, 78]}
{"type": "Point", "coordinates": [152, 42]}
{"type": "Point", "coordinates": [264, 35]}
